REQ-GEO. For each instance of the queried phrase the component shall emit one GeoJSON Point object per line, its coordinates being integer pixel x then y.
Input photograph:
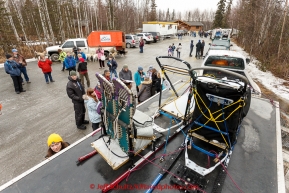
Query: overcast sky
{"type": "Point", "coordinates": [186, 5]}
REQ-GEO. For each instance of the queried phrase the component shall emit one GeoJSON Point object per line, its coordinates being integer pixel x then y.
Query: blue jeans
{"type": "Point", "coordinates": [113, 71]}
{"type": "Point", "coordinates": [141, 49]}
{"type": "Point", "coordinates": [178, 54]}
{"type": "Point", "coordinates": [46, 75]}
{"type": "Point", "coordinates": [24, 71]}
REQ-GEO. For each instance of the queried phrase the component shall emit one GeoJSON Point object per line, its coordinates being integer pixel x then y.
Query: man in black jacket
{"type": "Point", "coordinates": [75, 91]}
{"type": "Point", "coordinates": [198, 48]}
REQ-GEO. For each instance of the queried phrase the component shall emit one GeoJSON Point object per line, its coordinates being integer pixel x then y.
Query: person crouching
{"type": "Point", "coordinates": [55, 144]}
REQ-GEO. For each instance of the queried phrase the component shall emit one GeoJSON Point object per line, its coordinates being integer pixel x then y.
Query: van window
{"type": "Point", "coordinates": [80, 44]}
{"type": "Point", "coordinates": [128, 37]}
{"type": "Point", "coordinates": [68, 44]}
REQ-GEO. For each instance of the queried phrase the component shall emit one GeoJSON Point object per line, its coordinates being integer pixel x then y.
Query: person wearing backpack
{"type": "Point", "coordinates": [82, 70]}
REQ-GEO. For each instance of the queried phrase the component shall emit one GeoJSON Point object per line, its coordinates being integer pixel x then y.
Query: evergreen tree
{"type": "Point", "coordinates": [220, 13]}
{"type": "Point", "coordinates": [173, 15]}
{"type": "Point", "coordinates": [168, 15]}
{"type": "Point", "coordinates": [153, 13]}
{"type": "Point", "coordinates": [227, 14]}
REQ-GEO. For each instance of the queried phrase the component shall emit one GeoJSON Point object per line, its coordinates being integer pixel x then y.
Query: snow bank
{"type": "Point", "coordinates": [265, 78]}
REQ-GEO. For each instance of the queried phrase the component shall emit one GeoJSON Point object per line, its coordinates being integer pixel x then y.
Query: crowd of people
{"type": "Point", "coordinates": [147, 83]}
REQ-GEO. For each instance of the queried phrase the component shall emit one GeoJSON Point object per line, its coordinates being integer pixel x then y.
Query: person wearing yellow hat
{"type": "Point", "coordinates": [55, 144]}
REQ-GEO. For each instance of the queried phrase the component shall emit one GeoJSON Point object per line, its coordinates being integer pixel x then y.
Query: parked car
{"type": "Point", "coordinates": [147, 37]}
{"type": "Point", "coordinates": [156, 36]}
{"type": "Point", "coordinates": [131, 41]}
{"type": "Point", "coordinates": [230, 60]}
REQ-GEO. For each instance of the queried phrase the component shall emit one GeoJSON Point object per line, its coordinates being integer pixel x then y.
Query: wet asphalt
{"type": "Point", "coordinates": [29, 118]}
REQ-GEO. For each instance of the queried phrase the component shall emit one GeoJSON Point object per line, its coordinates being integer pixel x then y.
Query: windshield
{"type": "Point", "coordinates": [225, 62]}
{"type": "Point", "coordinates": [220, 43]}
{"type": "Point", "coordinates": [147, 34]}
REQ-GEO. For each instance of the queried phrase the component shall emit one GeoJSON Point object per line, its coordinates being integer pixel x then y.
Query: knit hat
{"type": "Point", "coordinates": [125, 66]}
{"type": "Point", "coordinates": [8, 56]}
{"type": "Point", "coordinates": [151, 67]}
{"type": "Point", "coordinates": [14, 50]}
{"type": "Point", "coordinates": [53, 138]}
{"type": "Point", "coordinates": [140, 68]}
{"type": "Point", "coordinates": [73, 73]}
{"type": "Point", "coordinates": [199, 40]}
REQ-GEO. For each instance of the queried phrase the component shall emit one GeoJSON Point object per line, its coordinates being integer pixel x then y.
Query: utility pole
{"type": "Point", "coordinates": [285, 15]}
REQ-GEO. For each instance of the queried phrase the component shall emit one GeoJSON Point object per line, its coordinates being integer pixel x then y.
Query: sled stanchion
{"type": "Point", "coordinates": [155, 183]}
{"type": "Point", "coordinates": [85, 157]}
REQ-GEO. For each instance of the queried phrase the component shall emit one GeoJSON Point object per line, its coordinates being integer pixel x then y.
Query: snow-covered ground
{"type": "Point", "coordinates": [265, 78]}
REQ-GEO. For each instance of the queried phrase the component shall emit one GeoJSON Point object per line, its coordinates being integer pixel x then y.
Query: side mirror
{"type": "Point", "coordinates": [247, 60]}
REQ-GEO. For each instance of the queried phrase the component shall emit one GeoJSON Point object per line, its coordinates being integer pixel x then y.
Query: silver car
{"type": "Point", "coordinates": [131, 41]}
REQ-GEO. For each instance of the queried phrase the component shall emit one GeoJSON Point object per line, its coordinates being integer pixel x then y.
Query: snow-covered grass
{"type": "Point", "coordinates": [265, 78]}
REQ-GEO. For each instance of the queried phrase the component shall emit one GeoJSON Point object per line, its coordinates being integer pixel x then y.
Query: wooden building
{"type": "Point", "coordinates": [189, 25]}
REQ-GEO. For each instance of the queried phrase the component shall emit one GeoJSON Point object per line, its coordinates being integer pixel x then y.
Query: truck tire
{"type": "Point", "coordinates": [54, 57]}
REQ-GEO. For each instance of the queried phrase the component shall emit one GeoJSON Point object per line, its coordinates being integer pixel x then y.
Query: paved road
{"type": "Point", "coordinates": [30, 117]}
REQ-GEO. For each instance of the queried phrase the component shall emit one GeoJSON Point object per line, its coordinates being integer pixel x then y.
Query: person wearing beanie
{"type": "Point", "coordinates": [125, 73]}
{"type": "Point", "coordinates": [198, 48]}
{"type": "Point", "coordinates": [45, 65]}
{"type": "Point", "coordinates": [75, 91]}
{"type": "Point", "coordinates": [55, 144]}
{"type": "Point", "coordinates": [149, 72]}
{"type": "Point", "coordinates": [191, 47]}
{"type": "Point", "coordinates": [70, 62]}
{"type": "Point", "coordinates": [106, 75]}
{"type": "Point", "coordinates": [13, 68]}
{"type": "Point", "coordinates": [21, 60]}
{"type": "Point", "coordinates": [179, 49]}
{"type": "Point", "coordinates": [112, 65]}
{"type": "Point", "coordinates": [139, 77]}
{"type": "Point", "coordinates": [82, 70]}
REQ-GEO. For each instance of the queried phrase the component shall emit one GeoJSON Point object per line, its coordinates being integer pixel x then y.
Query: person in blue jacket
{"type": "Point", "coordinates": [70, 63]}
{"type": "Point", "coordinates": [82, 54]}
{"type": "Point", "coordinates": [12, 68]}
{"type": "Point", "coordinates": [139, 77]}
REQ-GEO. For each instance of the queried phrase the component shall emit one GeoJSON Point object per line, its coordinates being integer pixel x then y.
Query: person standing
{"type": "Point", "coordinates": [154, 80]}
{"type": "Point", "coordinates": [92, 104]}
{"type": "Point", "coordinates": [145, 90]}
{"type": "Point", "coordinates": [100, 56]}
{"type": "Point", "coordinates": [139, 77]}
{"type": "Point", "coordinates": [149, 72]}
{"type": "Point", "coordinates": [112, 65]}
{"type": "Point", "coordinates": [81, 53]}
{"type": "Point", "coordinates": [74, 50]}
{"type": "Point", "coordinates": [70, 62]}
{"type": "Point", "coordinates": [141, 45]}
{"type": "Point", "coordinates": [75, 91]}
{"type": "Point", "coordinates": [170, 51]}
{"type": "Point", "coordinates": [82, 70]}
{"type": "Point", "coordinates": [21, 60]}
{"type": "Point", "coordinates": [13, 68]}
{"type": "Point", "coordinates": [45, 65]}
{"type": "Point", "coordinates": [202, 49]}
{"type": "Point", "coordinates": [62, 56]}
{"type": "Point", "coordinates": [191, 47]}
{"type": "Point", "coordinates": [179, 49]}
{"type": "Point", "coordinates": [173, 49]}
{"type": "Point", "coordinates": [198, 48]}
{"type": "Point", "coordinates": [125, 73]}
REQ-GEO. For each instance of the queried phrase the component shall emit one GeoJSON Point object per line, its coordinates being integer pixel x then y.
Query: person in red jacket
{"type": "Point", "coordinates": [45, 65]}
